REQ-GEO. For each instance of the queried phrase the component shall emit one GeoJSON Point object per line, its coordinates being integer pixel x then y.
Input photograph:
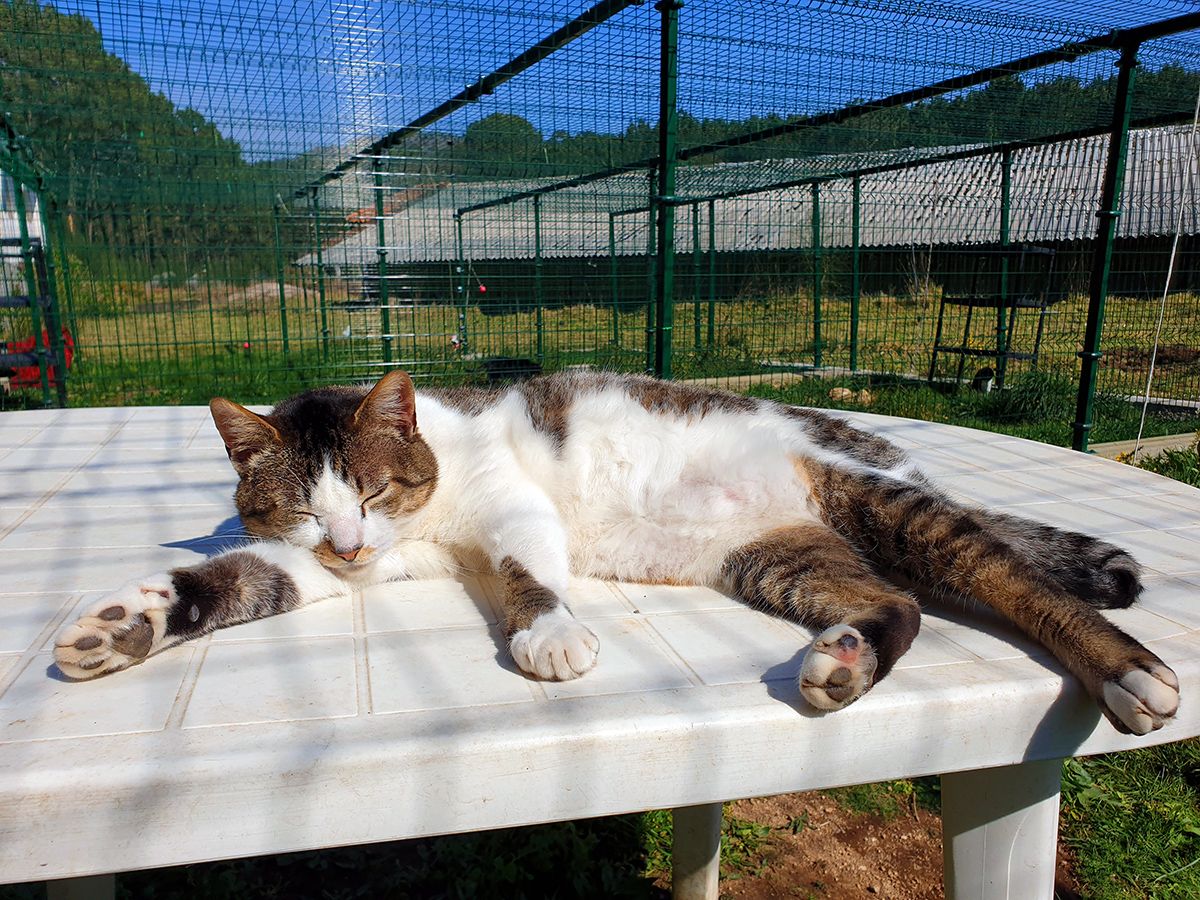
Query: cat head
{"type": "Point", "coordinates": [336, 470]}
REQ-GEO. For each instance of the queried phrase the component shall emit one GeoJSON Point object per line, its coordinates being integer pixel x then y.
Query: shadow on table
{"type": "Point", "coordinates": [228, 535]}
{"type": "Point", "coordinates": [781, 684]}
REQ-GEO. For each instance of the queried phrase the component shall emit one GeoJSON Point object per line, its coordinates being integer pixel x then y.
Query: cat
{"type": "Point", "coordinates": [625, 477]}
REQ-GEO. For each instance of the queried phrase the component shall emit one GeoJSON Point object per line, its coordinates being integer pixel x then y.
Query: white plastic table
{"type": "Point", "coordinates": [396, 713]}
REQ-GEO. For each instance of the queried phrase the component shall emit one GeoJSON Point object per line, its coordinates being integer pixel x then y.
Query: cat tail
{"type": "Point", "coordinates": [916, 531]}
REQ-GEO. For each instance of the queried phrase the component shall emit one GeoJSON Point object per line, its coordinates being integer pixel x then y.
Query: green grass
{"type": "Point", "coordinates": [139, 343]}
{"type": "Point", "coordinates": [1182, 464]}
{"type": "Point", "coordinates": [1133, 822]}
{"type": "Point", "coordinates": [1035, 405]}
{"type": "Point", "coordinates": [888, 799]}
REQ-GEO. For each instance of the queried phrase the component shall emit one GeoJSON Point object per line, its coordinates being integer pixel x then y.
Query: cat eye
{"type": "Point", "coordinates": [373, 496]}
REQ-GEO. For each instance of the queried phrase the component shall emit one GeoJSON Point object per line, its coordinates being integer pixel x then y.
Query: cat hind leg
{"type": "Point", "coordinates": [810, 575]}
{"type": "Point", "coordinates": [838, 668]}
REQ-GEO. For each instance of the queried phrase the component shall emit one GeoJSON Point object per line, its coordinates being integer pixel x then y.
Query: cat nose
{"type": "Point", "coordinates": [349, 555]}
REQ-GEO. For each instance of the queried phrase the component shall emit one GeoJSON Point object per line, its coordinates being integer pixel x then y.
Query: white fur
{"type": "Point", "coordinates": [338, 514]}
{"type": "Point", "coordinates": [555, 647]}
{"type": "Point", "coordinates": [1144, 701]}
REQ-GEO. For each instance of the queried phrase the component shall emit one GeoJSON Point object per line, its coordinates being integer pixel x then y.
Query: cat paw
{"type": "Point", "coordinates": [1142, 700]}
{"type": "Point", "coordinates": [556, 647]}
{"type": "Point", "coordinates": [117, 631]}
{"type": "Point", "coordinates": [838, 668]}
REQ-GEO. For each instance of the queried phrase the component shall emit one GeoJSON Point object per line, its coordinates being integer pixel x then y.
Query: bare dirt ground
{"type": "Point", "coordinates": [817, 849]}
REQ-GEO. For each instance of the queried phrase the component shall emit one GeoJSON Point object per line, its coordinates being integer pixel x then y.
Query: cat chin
{"type": "Point", "coordinates": [351, 571]}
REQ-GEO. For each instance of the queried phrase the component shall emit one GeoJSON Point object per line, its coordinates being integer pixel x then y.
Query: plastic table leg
{"type": "Point", "coordinates": [1000, 831]}
{"type": "Point", "coordinates": [696, 852]}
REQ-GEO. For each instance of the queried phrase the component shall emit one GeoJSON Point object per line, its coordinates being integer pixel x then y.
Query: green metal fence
{"type": "Point", "coordinates": [855, 203]}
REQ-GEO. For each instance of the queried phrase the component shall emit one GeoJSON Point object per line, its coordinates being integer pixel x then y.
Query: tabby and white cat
{"type": "Point", "coordinates": [625, 477]}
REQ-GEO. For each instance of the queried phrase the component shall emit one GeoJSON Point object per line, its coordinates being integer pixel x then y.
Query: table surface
{"type": "Point", "coordinates": [395, 712]}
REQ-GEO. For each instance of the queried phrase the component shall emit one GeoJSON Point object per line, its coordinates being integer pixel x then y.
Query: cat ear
{"type": "Point", "coordinates": [391, 403]}
{"type": "Point", "coordinates": [245, 433]}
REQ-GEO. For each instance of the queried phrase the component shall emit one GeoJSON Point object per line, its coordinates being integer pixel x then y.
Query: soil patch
{"type": "Point", "coordinates": [817, 849]}
{"type": "Point", "coordinates": [1137, 359]}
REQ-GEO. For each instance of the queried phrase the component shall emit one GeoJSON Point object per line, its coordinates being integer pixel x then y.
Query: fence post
{"type": "Point", "coordinates": [1002, 336]}
{"type": "Point", "coordinates": [283, 322]}
{"type": "Point", "coordinates": [48, 275]}
{"type": "Point", "coordinates": [816, 273]}
{"type": "Point", "coordinates": [1110, 200]}
{"type": "Point", "coordinates": [612, 280]}
{"type": "Point", "coordinates": [537, 273]}
{"type": "Point", "coordinates": [855, 268]}
{"type": "Point", "coordinates": [316, 208]}
{"type": "Point", "coordinates": [651, 270]}
{"type": "Point", "coordinates": [668, 123]}
{"type": "Point", "coordinates": [696, 274]}
{"type": "Point", "coordinates": [385, 313]}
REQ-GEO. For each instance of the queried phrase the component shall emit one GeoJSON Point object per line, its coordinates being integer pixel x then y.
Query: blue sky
{"type": "Point", "coordinates": [283, 78]}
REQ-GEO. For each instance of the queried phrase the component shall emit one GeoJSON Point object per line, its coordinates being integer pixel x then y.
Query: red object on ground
{"type": "Point", "coordinates": [31, 376]}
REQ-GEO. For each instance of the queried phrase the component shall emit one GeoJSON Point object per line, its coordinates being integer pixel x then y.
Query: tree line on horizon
{"type": "Point", "coordinates": [139, 177]}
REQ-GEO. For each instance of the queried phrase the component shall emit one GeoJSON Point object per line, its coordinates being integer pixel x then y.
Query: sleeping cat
{"type": "Point", "coordinates": [625, 477]}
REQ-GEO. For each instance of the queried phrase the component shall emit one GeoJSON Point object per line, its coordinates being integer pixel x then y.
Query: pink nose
{"type": "Point", "coordinates": [349, 555]}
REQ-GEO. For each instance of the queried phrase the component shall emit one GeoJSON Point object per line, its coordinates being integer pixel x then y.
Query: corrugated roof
{"type": "Point", "coordinates": [1055, 193]}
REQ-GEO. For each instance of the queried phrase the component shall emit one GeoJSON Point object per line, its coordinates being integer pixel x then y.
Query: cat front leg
{"type": "Point", "coordinates": [529, 552]}
{"type": "Point", "coordinates": [149, 614]}
{"type": "Point", "coordinates": [544, 638]}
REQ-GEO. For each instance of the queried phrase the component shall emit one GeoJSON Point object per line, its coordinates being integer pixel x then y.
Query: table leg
{"type": "Point", "coordinates": [92, 887]}
{"type": "Point", "coordinates": [696, 852]}
{"type": "Point", "coordinates": [1000, 831]}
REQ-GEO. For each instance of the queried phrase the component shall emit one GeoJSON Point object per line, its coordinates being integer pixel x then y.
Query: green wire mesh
{"type": "Point", "coordinates": [248, 198]}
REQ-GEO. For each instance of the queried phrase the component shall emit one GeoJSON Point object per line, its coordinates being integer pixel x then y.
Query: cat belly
{"type": "Point", "coordinates": [658, 547]}
{"type": "Point", "coordinates": [665, 499]}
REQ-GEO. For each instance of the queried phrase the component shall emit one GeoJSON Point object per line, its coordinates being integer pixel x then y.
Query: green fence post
{"type": "Point", "coordinates": [385, 313]}
{"type": "Point", "coordinates": [712, 272]}
{"type": "Point", "coordinates": [614, 289]}
{"type": "Point", "coordinates": [31, 288]}
{"type": "Point", "coordinates": [696, 275]}
{"type": "Point", "coordinates": [1110, 201]}
{"type": "Point", "coordinates": [1002, 336]}
{"type": "Point", "coordinates": [283, 322]}
{"type": "Point", "coordinates": [668, 123]}
{"type": "Point", "coordinates": [53, 311]}
{"type": "Point", "coordinates": [855, 269]}
{"type": "Point", "coordinates": [537, 273]}
{"type": "Point", "coordinates": [651, 272]}
{"type": "Point", "coordinates": [316, 208]}
{"type": "Point", "coordinates": [816, 273]}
